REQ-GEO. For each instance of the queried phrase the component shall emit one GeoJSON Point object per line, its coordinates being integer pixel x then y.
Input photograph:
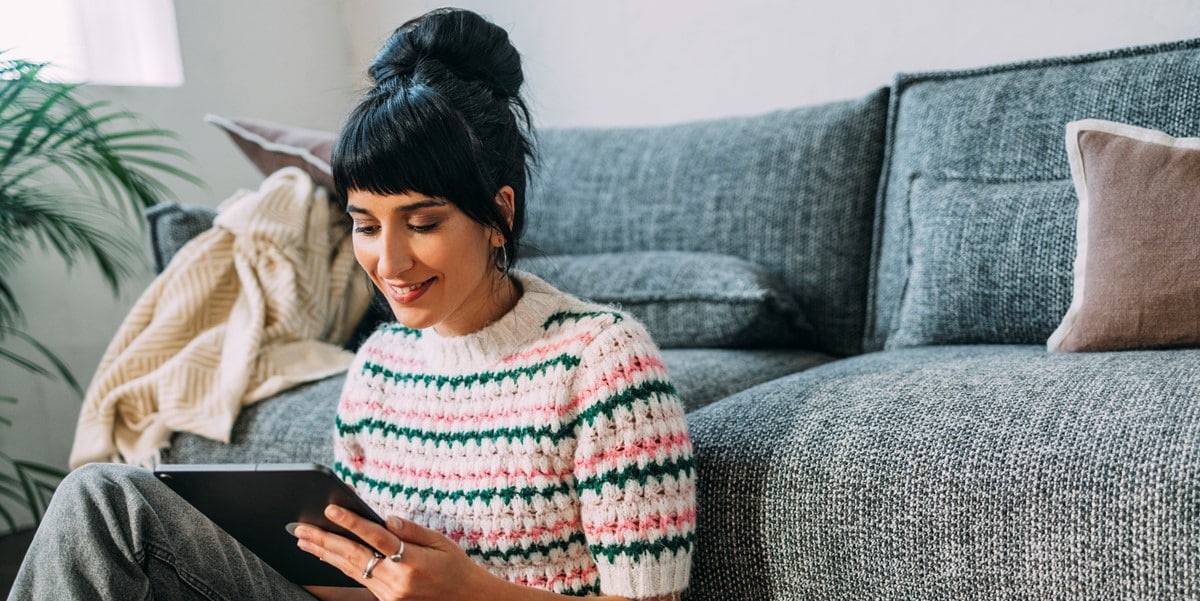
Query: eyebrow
{"type": "Point", "coordinates": [408, 208]}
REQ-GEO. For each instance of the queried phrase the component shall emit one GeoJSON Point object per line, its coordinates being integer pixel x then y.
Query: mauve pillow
{"type": "Point", "coordinates": [685, 299]}
{"type": "Point", "coordinates": [1137, 266]}
{"type": "Point", "coordinates": [273, 146]}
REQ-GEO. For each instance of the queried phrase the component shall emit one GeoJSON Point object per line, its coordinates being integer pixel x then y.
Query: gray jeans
{"type": "Point", "coordinates": [116, 532]}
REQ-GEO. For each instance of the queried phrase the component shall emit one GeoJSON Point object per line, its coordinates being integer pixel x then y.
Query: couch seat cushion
{"type": "Point", "coordinates": [954, 472]}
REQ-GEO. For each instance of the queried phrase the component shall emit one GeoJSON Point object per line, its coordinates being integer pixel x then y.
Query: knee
{"type": "Point", "coordinates": [100, 480]}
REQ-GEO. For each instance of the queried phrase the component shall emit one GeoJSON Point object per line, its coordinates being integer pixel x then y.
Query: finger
{"type": "Point", "coordinates": [370, 532]}
{"type": "Point", "coordinates": [348, 556]}
{"type": "Point", "coordinates": [414, 533]}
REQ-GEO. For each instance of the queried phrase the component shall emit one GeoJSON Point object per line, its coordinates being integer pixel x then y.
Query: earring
{"type": "Point", "coordinates": [502, 259]}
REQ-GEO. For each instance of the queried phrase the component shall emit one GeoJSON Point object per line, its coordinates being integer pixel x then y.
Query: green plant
{"type": "Point", "coordinates": [74, 179]}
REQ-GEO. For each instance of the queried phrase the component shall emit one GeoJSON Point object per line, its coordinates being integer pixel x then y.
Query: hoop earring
{"type": "Point", "coordinates": [502, 259]}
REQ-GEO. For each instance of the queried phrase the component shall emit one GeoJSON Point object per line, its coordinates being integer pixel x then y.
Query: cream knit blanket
{"type": "Point", "coordinates": [257, 304]}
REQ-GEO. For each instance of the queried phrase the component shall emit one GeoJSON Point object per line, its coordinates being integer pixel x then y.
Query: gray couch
{"type": "Point", "coordinates": [868, 286]}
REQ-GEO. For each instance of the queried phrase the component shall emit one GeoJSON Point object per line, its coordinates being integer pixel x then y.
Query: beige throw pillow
{"type": "Point", "coordinates": [1137, 267]}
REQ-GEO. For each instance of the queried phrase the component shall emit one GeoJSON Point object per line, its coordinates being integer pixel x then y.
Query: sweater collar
{"type": "Point", "coordinates": [513, 331]}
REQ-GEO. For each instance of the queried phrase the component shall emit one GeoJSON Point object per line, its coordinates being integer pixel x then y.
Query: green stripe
{"type": "Point", "coordinates": [565, 316]}
{"type": "Point", "coordinates": [388, 428]}
{"type": "Point", "coordinates": [487, 495]}
{"type": "Point", "coordinates": [640, 474]}
{"type": "Point", "coordinates": [586, 591]}
{"type": "Point", "coordinates": [555, 434]}
{"type": "Point", "coordinates": [525, 552]}
{"type": "Point", "coordinates": [640, 392]}
{"type": "Point", "coordinates": [638, 549]}
{"type": "Point", "coordinates": [486, 377]}
{"type": "Point", "coordinates": [397, 328]}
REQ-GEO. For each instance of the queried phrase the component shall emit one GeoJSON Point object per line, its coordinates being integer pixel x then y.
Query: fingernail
{"type": "Point", "coordinates": [334, 512]}
{"type": "Point", "coordinates": [394, 523]}
{"type": "Point", "coordinates": [291, 528]}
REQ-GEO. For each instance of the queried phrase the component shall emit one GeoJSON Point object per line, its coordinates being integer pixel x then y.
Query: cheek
{"type": "Point", "coordinates": [364, 255]}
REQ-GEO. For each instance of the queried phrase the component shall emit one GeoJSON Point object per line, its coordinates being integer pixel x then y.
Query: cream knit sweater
{"type": "Point", "coordinates": [550, 445]}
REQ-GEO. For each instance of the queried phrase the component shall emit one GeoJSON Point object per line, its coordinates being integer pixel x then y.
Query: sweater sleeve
{"type": "Point", "coordinates": [633, 466]}
{"type": "Point", "coordinates": [348, 455]}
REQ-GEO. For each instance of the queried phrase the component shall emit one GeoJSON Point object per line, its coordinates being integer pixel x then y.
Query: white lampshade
{"type": "Point", "coordinates": [108, 42]}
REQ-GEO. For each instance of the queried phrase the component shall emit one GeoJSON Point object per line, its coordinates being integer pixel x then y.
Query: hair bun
{"type": "Point", "coordinates": [459, 41]}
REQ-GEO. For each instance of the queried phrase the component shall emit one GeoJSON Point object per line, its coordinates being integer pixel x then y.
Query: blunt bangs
{"type": "Point", "coordinates": [411, 141]}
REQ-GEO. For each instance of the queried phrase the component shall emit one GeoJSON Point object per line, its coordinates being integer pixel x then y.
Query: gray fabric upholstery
{"type": "Point", "coordinates": [297, 425]}
{"type": "Point", "coordinates": [171, 225]}
{"type": "Point", "coordinates": [791, 191]}
{"type": "Point", "coordinates": [998, 472]}
{"type": "Point", "coordinates": [976, 233]}
{"type": "Point", "coordinates": [294, 426]}
{"type": "Point", "coordinates": [685, 299]}
{"type": "Point", "coordinates": [703, 376]}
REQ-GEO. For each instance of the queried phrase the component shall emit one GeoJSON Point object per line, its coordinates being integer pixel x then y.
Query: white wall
{"type": "Point", "coordinates": [587, 63]}
{"type": "Point", "coordinates": [645, 62]}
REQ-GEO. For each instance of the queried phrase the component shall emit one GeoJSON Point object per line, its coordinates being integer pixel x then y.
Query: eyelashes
{"type": "Point", "coordinates": [424, 228]}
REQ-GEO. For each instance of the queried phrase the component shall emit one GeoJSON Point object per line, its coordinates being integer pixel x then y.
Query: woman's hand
{"type": "Point", "coordinates": [431, 567]}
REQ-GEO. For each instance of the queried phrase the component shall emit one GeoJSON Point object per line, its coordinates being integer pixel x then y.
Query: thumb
{"type": "Point", "coordinates": [412, 532]}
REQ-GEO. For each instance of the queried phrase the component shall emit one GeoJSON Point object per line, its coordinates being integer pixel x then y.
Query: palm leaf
{"type": "Point", "coordinates": [60, 366]}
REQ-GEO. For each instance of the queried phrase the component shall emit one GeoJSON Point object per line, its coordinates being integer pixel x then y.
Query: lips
{"type": "Point", "coordinates": [409, 293]}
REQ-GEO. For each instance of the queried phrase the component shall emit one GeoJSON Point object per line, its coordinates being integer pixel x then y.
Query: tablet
{"type": "Point", "coordinates": [255, 503]}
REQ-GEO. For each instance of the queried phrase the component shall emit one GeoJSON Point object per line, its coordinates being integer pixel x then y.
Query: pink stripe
{"type": "Point", "coordinates": [675, 442]}
{"type": "Point", "coordinates": [540, 352]}
{"type": "Point", "coordinates": [389, 360]}
{"type": "Point", "coordinates": [644, 525]}
{"type": "Point", "coordinates": [407, 474]}
{"type": "Point", "coordinates": [620, 375]}
{"type": "Point", "coordinates": [544, 582]}
{"type": "Point", "coordinates": [495, 538]}
{"type": "Point", "coordinates": [474, 421]}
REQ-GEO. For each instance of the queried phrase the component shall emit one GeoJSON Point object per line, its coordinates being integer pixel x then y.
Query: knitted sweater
{"type": "Point", "coordinates": [550, 445]}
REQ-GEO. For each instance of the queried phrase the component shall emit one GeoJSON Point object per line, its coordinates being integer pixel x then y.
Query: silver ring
{"type": "Point", "coordinates": [399, 554]}
{"type": "Point", "coordinates": [375, 557]}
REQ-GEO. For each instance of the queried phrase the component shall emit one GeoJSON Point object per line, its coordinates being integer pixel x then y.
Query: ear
{"type": "Point", "coordinates": [506, 198]}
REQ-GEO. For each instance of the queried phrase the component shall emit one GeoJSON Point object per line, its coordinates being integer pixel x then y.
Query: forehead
{"type": "Point", "coordinates": [362, 201]}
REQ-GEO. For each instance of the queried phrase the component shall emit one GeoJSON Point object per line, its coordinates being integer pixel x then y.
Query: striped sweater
{"type": "Point", "coordinates": [550, 445]}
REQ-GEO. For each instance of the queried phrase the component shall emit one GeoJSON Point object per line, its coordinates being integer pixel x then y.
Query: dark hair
{"type": "Point", "coordinates": [444, 117]}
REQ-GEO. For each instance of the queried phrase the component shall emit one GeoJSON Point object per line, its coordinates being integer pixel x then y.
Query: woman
{"type": "Point", "coordinates": [525, 444]}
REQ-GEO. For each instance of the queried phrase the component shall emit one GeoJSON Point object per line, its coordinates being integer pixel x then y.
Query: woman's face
{"type": "Point", "coordinates": [433, 263]}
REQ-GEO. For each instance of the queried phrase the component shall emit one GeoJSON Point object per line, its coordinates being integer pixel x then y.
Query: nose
{"type": "Point", "coordinates": [395, 256]}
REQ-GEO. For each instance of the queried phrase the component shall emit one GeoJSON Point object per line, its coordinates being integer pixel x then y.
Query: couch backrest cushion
{"type": "Point", "coordinates": [975, 233]}
{"type": "Point", "coordinates": [791, 191]}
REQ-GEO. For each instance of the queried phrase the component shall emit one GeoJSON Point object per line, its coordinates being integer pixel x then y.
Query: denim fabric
{"type": "Point", "coordinates": [791, 191]}
{"type": "Point", "coordinates": [976, 232]}
{"type": "Point", "coordinates": [685, 299]}
{"type": "Point", "coordinates": [955, 472]}
{"type": "Point", "coordinates": [116, 532]}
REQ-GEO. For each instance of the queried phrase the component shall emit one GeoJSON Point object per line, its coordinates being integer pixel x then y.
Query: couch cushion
{"type": "Point", "coordinates": [273, 146]}
{"type": "Point", "coordinates": [703, 376]}
{"type": "Point", "coordinates": [791, 191]}
{"type": "Point", "coordinates": [297, 425]}
{"type": "Point", "coordinates": [685, 299]}
{"type": "Point", "coordinates": [1137, 263]}
{"type": "Point", "coordinates": [976, 232]}
{"type": "Point", "coordinates": [999, 472]}
{"type": "Point", "coordinates": [171, 226]}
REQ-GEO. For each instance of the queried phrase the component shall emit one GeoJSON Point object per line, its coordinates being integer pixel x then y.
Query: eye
{"type": "Point", "coordinates": [365, 229]}
{"type": "Point", "coordinates": [422, 228]}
